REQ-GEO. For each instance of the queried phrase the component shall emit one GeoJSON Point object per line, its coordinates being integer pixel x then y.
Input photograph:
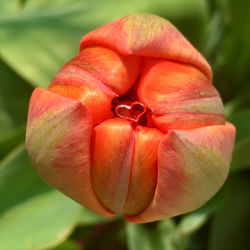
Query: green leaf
{"type": "Point", "coordinates": [241, 158]}
{"type": "Point", "coordinates": [139, 237]}
{"type": "Point", "coordinates": [230, 52]}
{"type": "Point", "coordinates": [68, 245]}
{"type": "Point", "coordinates": [87, 217]}
{"type": "Point", "coordinates": [241, 120]}
{"type": "Point", "coordinates": [10, 6]}
{"type": "Point", "coordinates": [193, 221]}
{"type": "Point", "coordinates": [48, 32]}
{"type": "Point", "coordinates": [32, 214]}
{"type": "Point", "coordinates": [162, 235]}
{"type": "Point", "coordinates": [11, 141]}
{"type": "Point", "coordinates": [230, 226]}
{"type": "Point", "coordinates": [171, 237]}
{"type": "Point", "coordinates": [14, 95]}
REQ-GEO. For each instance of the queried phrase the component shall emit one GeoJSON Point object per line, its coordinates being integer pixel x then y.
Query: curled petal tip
{"type": "Point", "coordinates": [147, 35]}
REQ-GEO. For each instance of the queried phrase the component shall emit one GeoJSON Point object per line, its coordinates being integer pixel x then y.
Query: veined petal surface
{"type": "Point", "coordinates": [147, 35]}
{"type": "Point", "coordinates": [179, 95]}
{"type": "Point", "coordinates": [112, 154]}
{"type": "Point", "coordinates": [143, 177]}
{"type": "Point", "coordinates": [116, 71]}
{"type": "Point", "coordinates": [192, 166]}
{"type": "Point", "coordinates": [58, 144]}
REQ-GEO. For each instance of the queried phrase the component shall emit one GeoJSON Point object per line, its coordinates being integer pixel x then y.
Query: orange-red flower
{"type": "Point", "coordinates": [132, 124]}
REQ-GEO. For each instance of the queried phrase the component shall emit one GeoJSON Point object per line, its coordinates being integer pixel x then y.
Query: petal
{"type": "Point", "coordinates": [181, 120]}
{"type": "Point", "coordinates": [147, 35]}
{"type": "Point", "coordinates": [78, 84]}
{"type": "Point", "coordinates": [112, 151]}
{"type": "Point", "coordinates": [179, 96]}
{"type": "Point", "coordinates": [144, 170]}
{"type": "Point", "coordinates": [192, 166]}
{"type": "Point", "coordinates": [58, 144]}
{"type": "Point", "coordinates": [116, 71]}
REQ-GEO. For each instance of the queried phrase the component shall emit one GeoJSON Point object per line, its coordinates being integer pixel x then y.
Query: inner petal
{"type": "Point", "coordinates": [112, 153]}
{"type": "Point", "coordinates": [80, 85]}
{"type": "Point", "coordinates": [179, 95]}
{"type": "Point", "coordinates": [144, 170]}
{"type": "Point", "coordinates": [116, 71]}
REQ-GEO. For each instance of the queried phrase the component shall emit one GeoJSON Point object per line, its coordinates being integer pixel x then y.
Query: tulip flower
{"type": "Point", "coordinates": [132, 124]}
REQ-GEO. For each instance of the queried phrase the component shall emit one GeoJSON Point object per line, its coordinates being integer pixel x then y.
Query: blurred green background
{"type": "Point", "coordinates": [39, 36]}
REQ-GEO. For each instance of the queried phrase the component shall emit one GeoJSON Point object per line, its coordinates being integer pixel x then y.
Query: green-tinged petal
{"type": "Point", "coordinates": [179, 95]}
{"type": "Point", "coordinates": [147, 35]}
{"type": "Point", "coordinates": [193, 165]}
{"type": "Point", "coordinates": [58, 144]}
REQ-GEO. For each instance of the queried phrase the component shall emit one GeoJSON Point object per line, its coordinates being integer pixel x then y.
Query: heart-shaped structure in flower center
{"type": "Point", "coordinates": [133, 111]}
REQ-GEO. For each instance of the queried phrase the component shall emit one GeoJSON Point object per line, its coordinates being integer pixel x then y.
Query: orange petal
{"type": "Point", "coordinates": [144, 170]}
{"type": "Point", "coordinates": [186, 121]}
{"type": "Point", "coordinates": [179, 96]}
{"type": "Point", "coordinates": [78, 84]}
{"type": "Point", "coordinates": [112, 151]}
{"type": "Point", "coordinates": [116, 71]}
{"type": "Point", "coordinates": [192, 166]}
{"type": "Point", "coordinates": [58, 144]}
{"type": "Point", "coordinates": [147, 35]}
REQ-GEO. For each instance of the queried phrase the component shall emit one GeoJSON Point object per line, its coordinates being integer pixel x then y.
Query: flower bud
{"type": "Point", "coordinates": [132, 124]}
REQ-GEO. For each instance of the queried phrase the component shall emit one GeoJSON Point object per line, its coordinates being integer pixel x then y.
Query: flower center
{"type": "Point", "coordinates": [133, 111]}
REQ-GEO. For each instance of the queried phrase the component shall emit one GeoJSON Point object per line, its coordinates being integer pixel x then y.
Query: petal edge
{"type": "Point", "coordinates": [193, 165]}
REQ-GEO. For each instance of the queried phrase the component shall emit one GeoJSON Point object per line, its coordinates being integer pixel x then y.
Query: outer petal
{"type": "Point", "coordinates": [58, 143]}
{"type": "Point", "coordinates": [147, 35]}
{"type": "Point", "coordinates": [193, 165]}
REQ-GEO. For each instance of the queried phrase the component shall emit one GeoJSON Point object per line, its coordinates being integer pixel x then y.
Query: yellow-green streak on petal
{"type": "Point", "coordinates": [43, 135]}
{"type": "Point", "coordinates": [142, 28]}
